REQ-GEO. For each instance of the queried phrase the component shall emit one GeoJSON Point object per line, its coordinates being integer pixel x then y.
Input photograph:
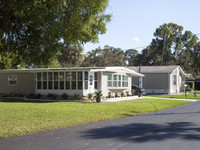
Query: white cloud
{"type": "Point", "coordinates": [136, 39]}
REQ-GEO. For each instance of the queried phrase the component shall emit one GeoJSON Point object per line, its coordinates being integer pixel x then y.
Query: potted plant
{"type": "Point", "coordinates": [98, 96]}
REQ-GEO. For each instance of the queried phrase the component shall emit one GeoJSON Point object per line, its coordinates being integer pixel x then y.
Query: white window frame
{"type": "Point", "coordinates": [10, 77]}
{"type": "Point", "coordinates": [174, 80]}
{"type": "Point", "coordinates": [123, 83]}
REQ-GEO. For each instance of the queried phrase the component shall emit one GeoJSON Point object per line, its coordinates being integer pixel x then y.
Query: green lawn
{"type": "Point", "coordinates": [182, 96]}
{"type": "Point", "coordinates": [17, 118]}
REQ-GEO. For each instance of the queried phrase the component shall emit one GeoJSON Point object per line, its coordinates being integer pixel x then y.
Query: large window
{"type": "Point", "coordinates": [174, 80]}
{"type": "Point", "coordinates": [61, 80]}
{"type": "Point", "coordinates": [67, 80]}
{"type": "Point", "coordinates": [12, 80]}
{"type": "Point", "coordinates": [80, 80]}
{"type": "Point", "coordinates": [55, 80]}
{"type": "Point", "coordinates": [50, 80]}
{"type": "Point", "coordinates": [73, 80]}
{"type": "Point", "coordinates": [116, 80]}
{"type": "Point", "coordinates": [39, 80]}
{"type": "Point", "coordinates": [109, 80]}
{"type": "Point", "coordinates": [45, 80]}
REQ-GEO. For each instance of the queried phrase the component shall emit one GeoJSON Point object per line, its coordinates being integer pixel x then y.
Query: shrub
{"type": "Point", "coordinates": [122, 94]}
{"type": "Point", "coordinates": [51, 96]}
{"type": "Point", "coordinates": [98, 96]}
{"type": "Point", "coordinates": [31, 95]}
{"type": "Point", "coordinates": [90, 96]}
{"type": "Point", "coordinates": [64, 96]}
{"type": "Point", "coordinates": [38, 96]}
{"type": "Point", "coordinates": [190, 85]}
{"type": "Point", "coordinates": [109, 95]}
{"type": "Point", "coordinates": [78, 96]}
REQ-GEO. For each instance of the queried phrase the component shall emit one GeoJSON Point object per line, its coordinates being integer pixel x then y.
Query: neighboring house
{"type": "Point", "coordinates": [161, 79]}
{"type": "Point", "coordinates": [83, 80]}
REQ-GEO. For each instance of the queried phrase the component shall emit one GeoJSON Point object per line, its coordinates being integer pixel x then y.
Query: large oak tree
{"type": "Point", "coordinates": [31, 31]}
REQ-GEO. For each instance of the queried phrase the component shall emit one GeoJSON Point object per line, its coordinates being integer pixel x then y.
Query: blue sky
{"type": "Point", "coordinates": [134, 21]}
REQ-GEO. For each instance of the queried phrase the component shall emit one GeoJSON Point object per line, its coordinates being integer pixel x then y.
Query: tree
{"type": "Point", "coordinates": [108, 56]}
{"type": "Point", "coordinates": [172, 46]}
{"type": "Point", "coordinates": [71, 56]}
{"type": "Point", "coordinates": [168, 32]}
{"type": "Point", "coordinates": [130, 57]}
{"type": "Point", "coordinates": [31, 30]}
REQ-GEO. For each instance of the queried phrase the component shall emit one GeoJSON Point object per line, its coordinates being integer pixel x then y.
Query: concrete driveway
{"type": "Point", "coordinates": [171, 129]}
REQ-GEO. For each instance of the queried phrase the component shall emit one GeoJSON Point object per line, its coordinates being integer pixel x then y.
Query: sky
{"type": "Point", "coordinates": [134, 21]}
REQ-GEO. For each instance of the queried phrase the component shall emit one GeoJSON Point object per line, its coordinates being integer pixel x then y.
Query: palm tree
{"type": "Point", "coordinates": [164, 32]}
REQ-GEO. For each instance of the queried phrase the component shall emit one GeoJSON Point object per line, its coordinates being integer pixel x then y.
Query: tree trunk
{"type": "Point", "coordinates": [163, 50]}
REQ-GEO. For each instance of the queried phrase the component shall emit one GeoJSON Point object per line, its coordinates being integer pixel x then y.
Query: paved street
{"type": "Point", "coordinates": [172, 129]}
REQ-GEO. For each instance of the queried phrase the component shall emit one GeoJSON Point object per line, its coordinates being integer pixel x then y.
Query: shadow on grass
{"type": "Point", "coordinates": [144, 132]}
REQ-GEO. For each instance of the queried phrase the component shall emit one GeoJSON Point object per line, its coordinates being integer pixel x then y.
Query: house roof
{"type": "Point", "coordinates": [93, 69]}
{"type": "Point", "coordinates": [155, 69]}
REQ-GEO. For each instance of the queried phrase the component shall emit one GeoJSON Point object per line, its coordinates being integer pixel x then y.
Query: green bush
{"type": "Point", "coordinates": [64, 96]}
{"type": "Point", "coordinates": [78, 96]}
{"type": "Point", "coordinates": [52, 96]}
{"type": "Point", "coordinates": [190, 85]}
{"type": "Point", "coordinates": [90, 96]}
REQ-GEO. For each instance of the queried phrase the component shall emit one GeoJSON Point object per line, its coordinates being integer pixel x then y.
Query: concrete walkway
{"type": "Point", "coordinates": [192, 100]}
{"type": "Point", "coordinates": [136, 97]}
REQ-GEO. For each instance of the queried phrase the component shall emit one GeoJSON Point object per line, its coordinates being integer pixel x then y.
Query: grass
{"type": "Point", "coordinates": [181, 96]}
{"type": "Point", "coordinates": [18, 118]}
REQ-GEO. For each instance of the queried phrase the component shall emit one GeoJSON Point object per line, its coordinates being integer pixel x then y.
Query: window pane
{"type": "Point", "coordinates": [50, 85]}
{"type": "Point", "coordinates": [80, 85]}
{"type": "Point", "coordinates": [55, 84]}
{"type": "Point", "coordinates": [123, 84]}
{"type": "Point", "coordinates": [95, 84]}
{"type": "Point", "coordinates": [119, 84]}
{"type": "Point", "coordinates": [61, 85]}
{"type": "Point", "coordinates": [114, 83]}
{"type": "Point", "coordinates": [91, 79]}
{"type": "Point", "coordinates": [123, 77]}
{"type": "Point", "coordinates": [50, 76]}
{"type": "Point", "coordinates": [95, 76]}
{"type": "Point", "coordinates": [56, 76]}
{"type": "Point", "coordinates": [115, 77]}
{"type": "Point", "coordinates": [67, 85]}
{"type": "Point", "coordinates": [74, 76]}
{"type": "Point", "coordinates": [86, 75]}
{"type": "Point", "coordinates": [44, 76]}
{"type": "Point", "coordinates": [12, 82]}
{"type": "Point", "coordinates": [80, 76]}
{"type": "Point", "coordinates": [73, 85]}
{"type": "Point", "coordinates": [12, 79]}
{"type": "Point", "coordinates": [86, 85]}
{"type": "Point", "coordinates": [39, 85]}
{"type": "Point", "coordinates": [174, 79]}
{"type": "Point", "coordinates": [44, 84]}
{"type": "Point", "coordinates": [109, 77]}
{"type": "Point", "coordinates": [119, 77]}
{"type": "Point", "coordinates": [61, 77]}
{"type": "Point", "coordinates": [67, 76]}
{"type": "Point", "coordinates": [109, 83]}
{"type": "Point", "coordinates": [39, 76]}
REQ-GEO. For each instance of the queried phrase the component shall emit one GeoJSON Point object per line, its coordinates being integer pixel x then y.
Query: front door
{"type": "Point", "coordinates": [91, 82]}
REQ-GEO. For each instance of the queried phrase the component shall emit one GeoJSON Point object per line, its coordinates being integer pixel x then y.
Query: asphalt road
{"type": "Point", "coordinates": [172, 129]}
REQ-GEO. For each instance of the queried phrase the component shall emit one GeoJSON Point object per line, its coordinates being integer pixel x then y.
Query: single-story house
{"type": "Point", "coordinates": [161, 79]}
{"type": "Point", "coordinates": [82, 80]}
